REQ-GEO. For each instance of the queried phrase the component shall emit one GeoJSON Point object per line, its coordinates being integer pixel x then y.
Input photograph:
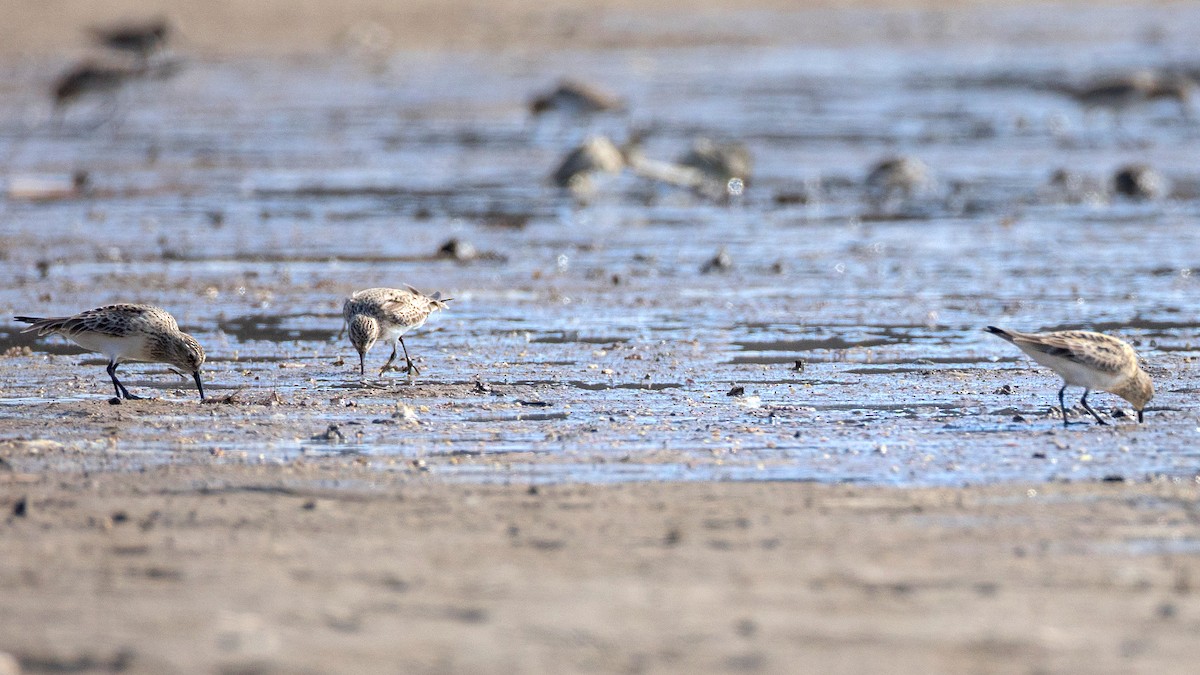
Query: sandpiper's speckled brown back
{"type": "Point", "coordinates": [1101, 352]}
{"type": "Point", "coordinates": [115, 320]}
{"type": "Point", "coordinates": [403, 309]}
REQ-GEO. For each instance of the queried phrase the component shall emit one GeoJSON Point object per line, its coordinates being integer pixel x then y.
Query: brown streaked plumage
{"type": "Point", "coordinates": [1089, 360]}
{"type": "Point", "coordinates": [386, 314]}
{"type": "Point", "coordinates": [127, 333]}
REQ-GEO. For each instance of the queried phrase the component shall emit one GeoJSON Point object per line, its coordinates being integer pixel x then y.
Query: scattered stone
{"type": "Point", "coordinates": [737, 390]}
{"type": "Point", "coordinates": [457, 249]}
{"type": "Point", "coordinates": [1113, 478]}
{"type": "Point", "coordinates": [309, 505]}
{"type": "Point", "coordinates": [1005, 390]}
{"type": "Point", "coordinates": [21, 508]}
{"type": "Point", "coordinates": [1140, 182]}
{"type": "Point", "coordinates": [721, 262]}
{"type": "Point", "coordinates": [482, 387]}
{"type": "Point", "coordinates": [799, 366]}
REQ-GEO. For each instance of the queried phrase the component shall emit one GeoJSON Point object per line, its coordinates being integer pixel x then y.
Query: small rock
{"type": "Point", "coordinates": [457, 249]}
{"type": "Point", "coordinates": [721, 262]}
{"type": "Point", "coordinates": [1113, 478]}
{"type": "Point", "coordinates": [799, 366]}
{"type": "Point", "coordinates": [21, 508]}
{"type": "Point", "coordinates": [737, 390]}
{"type": "Point", "coordinates": [1139, 181]}
{"type": "Point", "coordinates": [482, 387]}
{"type": "Point", "coordinates": [1005, 390]}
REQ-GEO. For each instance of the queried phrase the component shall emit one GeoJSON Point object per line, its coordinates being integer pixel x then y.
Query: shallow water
{"type": "Point", "coordinates": [248, 197]}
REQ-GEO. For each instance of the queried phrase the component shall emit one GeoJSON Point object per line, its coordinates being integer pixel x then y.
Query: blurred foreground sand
{"type": "Point", "coordinates": [230, 27]}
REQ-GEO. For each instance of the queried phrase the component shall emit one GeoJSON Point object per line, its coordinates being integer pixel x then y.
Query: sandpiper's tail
{"type": "Point", "coordinates": [1002, 333]}
{"type": "Point", "coordinates": [42, 326]}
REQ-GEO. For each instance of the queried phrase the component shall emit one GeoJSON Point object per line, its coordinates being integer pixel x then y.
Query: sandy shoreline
{"type": "Point", "coordinates": [279, 27]}
{"type": "Point", "coordinates": [325, 567]}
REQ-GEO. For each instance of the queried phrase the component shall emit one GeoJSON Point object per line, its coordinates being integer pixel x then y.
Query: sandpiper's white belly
{"type": "Point", "coordinates": [393, 332]}
{"type": "Point", "coordinates": [132, 347]}
{"type": "Point", "coordinates": [1077, 374]}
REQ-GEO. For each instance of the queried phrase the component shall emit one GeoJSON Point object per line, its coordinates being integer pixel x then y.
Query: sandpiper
{"type": "Point", "coordinates": [577, 98]}
{"type": "Point", "coordinates": [1089, 360]}
{"type": "Point", "coordinates": [1138, 88]}
{"type": "Point", "coordinates": [387, 314]}
{"type": "Point", "coordinates": [127, 333]}
{"type": "Point", "coordinates": [139, 39]}
{"type": "Point", "coordinates": [89, 77]}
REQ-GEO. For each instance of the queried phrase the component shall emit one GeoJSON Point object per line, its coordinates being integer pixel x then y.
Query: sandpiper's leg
{"type": "Point", "coordinates": [362, 364]}
{"type": "Point", "coordinates": [112, 372]}
{"type": "Point", "coordinates": [391, 358]}
{"type": "Point", "coordinates": [1089, 408]}
{"type": "Point", "coordinates": [122, 392]}
{"type": "Point", "coordinates": [1062, 404]}
{"type": "Point", "coordinates": [410, 368]}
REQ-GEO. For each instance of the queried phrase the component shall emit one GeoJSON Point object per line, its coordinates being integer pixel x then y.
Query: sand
{"type": "Point", "coordinates": [321, 566]}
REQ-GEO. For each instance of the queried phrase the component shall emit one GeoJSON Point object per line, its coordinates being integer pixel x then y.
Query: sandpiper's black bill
{"type": "Point", "coordinates": [199, 386]}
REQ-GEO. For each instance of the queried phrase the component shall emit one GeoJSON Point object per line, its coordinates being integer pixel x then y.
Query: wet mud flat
{"type": "Point", "coordinates": [597, 336]}
{"type": "Point", "coordinates": [656, 430]}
